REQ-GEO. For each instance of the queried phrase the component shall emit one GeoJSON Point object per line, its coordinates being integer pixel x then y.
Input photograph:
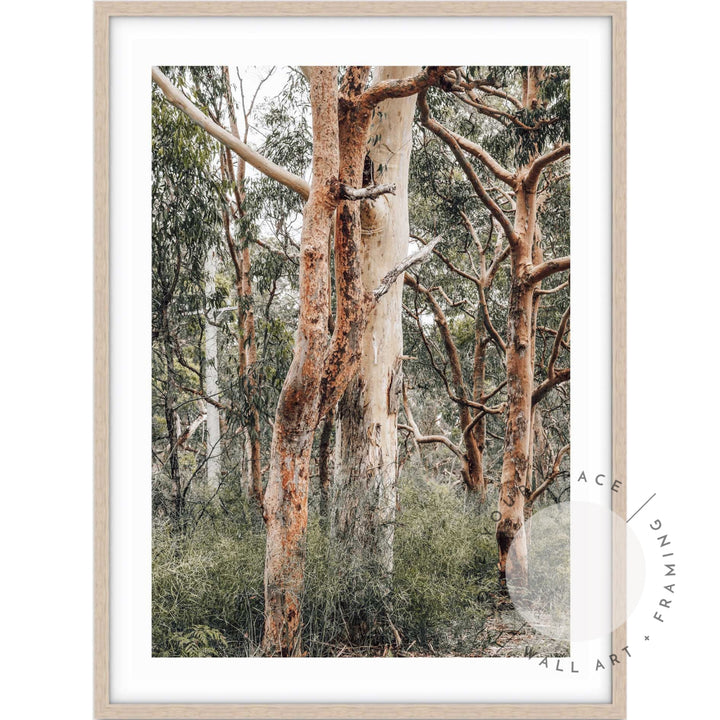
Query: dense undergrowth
{"type": "Point", "coordinates": [208, 584]}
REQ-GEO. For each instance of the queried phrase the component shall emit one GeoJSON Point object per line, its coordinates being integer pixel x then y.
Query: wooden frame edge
{"type": "Point", "coordinates": [103, 708]}
{"type": "Point", "coordinates": [619, 332]}
{"type": "Point", "coordinates": [364, 711]}
{"type": "Point", "coordinates": [101, 376]}
{"type": "Point", "coordinates": [359, 8]}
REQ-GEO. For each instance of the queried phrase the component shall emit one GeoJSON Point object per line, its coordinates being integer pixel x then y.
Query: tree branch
{"type": "Point", "coordinates": [405, 87]}
{"type": "Point", "coordinates": [419, 437]}
{"type": "Point", "coordinates": [419, 257]}
{"type": "Point", "coordinates": [258, 161]}
{"type": "Point", "coordinates": [554, 377]}
{"type": "Point", "coordinates": [555, 472]}
{"type": "Point", "coordinates": [543, 161]}
{"type": "Point", "coordinates": [559, 377]}
{"type": "Point", "coordinates": [497, 410]}
{"type": "Point", "coordinates": [550, 291]}
{"type": "Point", "coordinates": [549, 267]}
{"type": "Point", "coordinates": [485, 158]}
{"type": "Point", "coordinates": [345, 192]}
{"type": "Point", "coordinates": [558, 342]}
{"type": "Point", "coordinates": [448, 137]}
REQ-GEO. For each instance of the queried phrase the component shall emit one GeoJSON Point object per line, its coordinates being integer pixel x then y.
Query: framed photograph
{"type": "Point", "coordinates": [339, 469]}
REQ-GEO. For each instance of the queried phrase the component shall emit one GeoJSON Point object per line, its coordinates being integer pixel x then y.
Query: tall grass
{"type": "Point", "coordinates": [208, 585]}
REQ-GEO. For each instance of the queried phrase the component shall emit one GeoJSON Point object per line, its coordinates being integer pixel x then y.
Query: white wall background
{"type": "Point", "coordinates": [46, 348]}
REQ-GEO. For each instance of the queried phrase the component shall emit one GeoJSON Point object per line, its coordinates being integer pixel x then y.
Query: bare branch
{"type": "Point", "coordinates": [497, 410]}
{"type": "Point", "coordinates": [543, 161]}
{"type": "Point", "coordinates": [558, 342]}
{"type": "Point", "coordinates": [345, 192]}
{"type": "Point", "coordinates": [258, 161]}
{"type": "Point", "coordinates": [548, 384]}
{"type": "Point", "coordinates": [485, 158]}
{"type": "Point", "coordinates": [450, 139]}
{"type": "Point", "coordinates": [419, 257]}
{"type": "Point", "coordinates": [419, 437]}
{"type": "Point", "coordinates": [550, 291]}
{"type": "Point", "coordinates": [405, 87]}
{"type": "Point", "coordinates": [489, 90]}
{"type": "Point", "coordinates": [554, 376]}
{"type": "Point", "coordinates": [555, 472]}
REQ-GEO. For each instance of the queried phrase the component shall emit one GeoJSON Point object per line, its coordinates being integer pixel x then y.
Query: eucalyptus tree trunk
{"type": "Point", "coordinates": [364, 486]}
{"type": "Point", "coordinates": [478, 433]}
{"type": "Point", "coordinates": [212, 453]}
{"type": "Point", "coordinates": [286, 498]}
{"type": "Point", "coordinates": [520, 356]}
{"type": "Point", "coordinates": [510, 531]}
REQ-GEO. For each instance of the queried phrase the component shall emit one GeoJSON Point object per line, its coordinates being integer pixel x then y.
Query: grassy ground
{"type": "Point", "coordinates": [445, 599]}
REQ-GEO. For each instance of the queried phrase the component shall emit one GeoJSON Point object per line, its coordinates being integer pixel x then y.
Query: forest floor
{"type": "Point", "coordinates": [505, 634]}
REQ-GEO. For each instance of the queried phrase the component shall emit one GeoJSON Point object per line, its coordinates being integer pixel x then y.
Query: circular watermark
{"type": "Point", "coordinates": [563, 588]}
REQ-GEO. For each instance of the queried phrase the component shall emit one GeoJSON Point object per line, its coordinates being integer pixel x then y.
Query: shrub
{"type": "Point", "coordinates": [207, 589]}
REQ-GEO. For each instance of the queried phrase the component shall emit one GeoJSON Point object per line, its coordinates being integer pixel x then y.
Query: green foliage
{"type": "Point", "coordinates": [443, 559]}
{"type": "Point", "coordinates": [212, 577]}
{"type": "Point", "coordinates": [199, 641]}
{"type": "Point", "coordinates": [208, 585]}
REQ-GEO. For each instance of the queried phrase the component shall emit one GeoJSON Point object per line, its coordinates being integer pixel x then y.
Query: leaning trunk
{"type": "Point", "coordinates": [364, 489]}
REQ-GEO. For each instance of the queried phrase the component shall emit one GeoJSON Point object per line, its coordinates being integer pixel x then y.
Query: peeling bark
{"type": "Point", "coordinates": [526, 277]}
{"type": "Point", "coordinates": [324, 471]}
{"type": "Point", "coordinates": [297, 416]}
{"type": "Point", "coordinates": [520, 365]}
{"type": "Point", "coordinates": [364, 489]}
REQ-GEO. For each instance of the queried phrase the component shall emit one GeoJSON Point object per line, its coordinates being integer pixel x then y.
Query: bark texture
{"type": "Point", "coordinates": [297, 416]}
{"type": "Point", "coordinates": [364, 488]}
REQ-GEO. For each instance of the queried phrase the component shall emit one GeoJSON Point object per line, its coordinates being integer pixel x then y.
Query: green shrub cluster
{"type": "Point", "coordinates": [208, 584]}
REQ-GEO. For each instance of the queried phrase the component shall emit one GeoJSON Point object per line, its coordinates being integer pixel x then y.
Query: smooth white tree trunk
{"type": "Point", "coordinates": [364, 487]}
{"type": "Point", "coordinates": [211, 375]}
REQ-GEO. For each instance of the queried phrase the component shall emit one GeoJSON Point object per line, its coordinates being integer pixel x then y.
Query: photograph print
{"type": "Point", "coordinates": [360, 361]}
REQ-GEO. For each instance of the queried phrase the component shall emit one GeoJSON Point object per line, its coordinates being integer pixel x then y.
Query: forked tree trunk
{"type": "Point", "coordinates": [364, 487]}
{"type": "Point", "coordinates": [319, 373]}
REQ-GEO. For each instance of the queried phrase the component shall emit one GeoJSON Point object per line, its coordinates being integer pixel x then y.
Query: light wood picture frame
{"type": "Point", "coordinates": [105, 12]}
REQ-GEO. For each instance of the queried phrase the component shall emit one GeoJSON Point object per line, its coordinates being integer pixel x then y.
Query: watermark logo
{"type": "Point", "coordinates": [563, 588]}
